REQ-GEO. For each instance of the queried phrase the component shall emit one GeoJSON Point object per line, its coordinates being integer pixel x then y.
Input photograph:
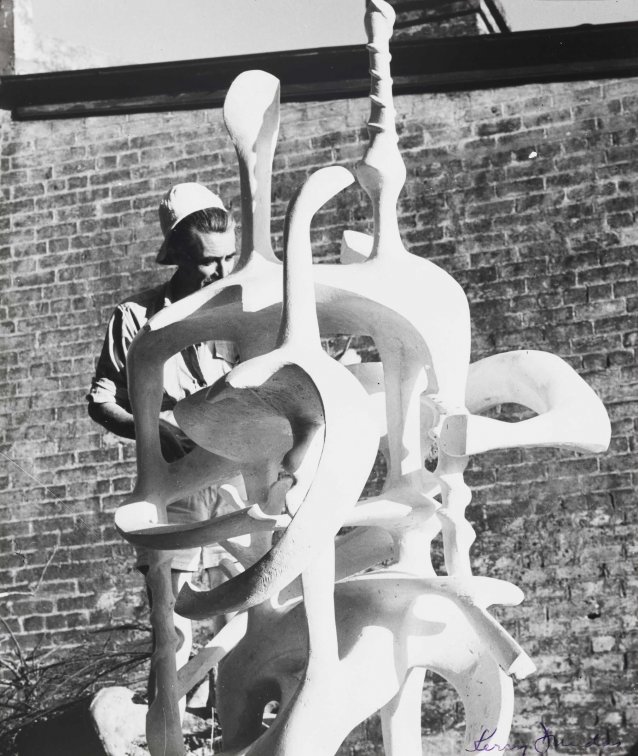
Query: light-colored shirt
{"type": "Point", "coordinates": [185, 373]}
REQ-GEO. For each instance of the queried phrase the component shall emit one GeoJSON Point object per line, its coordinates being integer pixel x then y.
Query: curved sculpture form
{"type": "Point", "coordinates": [330, 643]}
{"type": "Point", "coordinates": [411, 308]}
{"type": "Point", "coordinates": [390, 625]}
{"type": "Point", "coordinates": [568, 411]}
{"type": "Point", "coordinates": [570, 415]}
{"type": "Point", "coordinates": [326, 409]}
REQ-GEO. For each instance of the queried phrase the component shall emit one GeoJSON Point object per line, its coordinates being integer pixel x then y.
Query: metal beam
{"type": "Point", "coordinates": [457, 63]}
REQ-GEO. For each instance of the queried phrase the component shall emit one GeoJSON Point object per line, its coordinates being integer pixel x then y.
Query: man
{"type": "Point", "coordinates": [199, 238]}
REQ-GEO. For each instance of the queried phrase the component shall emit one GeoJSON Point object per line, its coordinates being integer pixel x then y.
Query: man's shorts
{"type": "Point", "coordinates": [201, 506]}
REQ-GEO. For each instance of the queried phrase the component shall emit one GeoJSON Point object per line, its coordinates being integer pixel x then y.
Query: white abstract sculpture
{"type": "Point", "coordinates": [304, 432]}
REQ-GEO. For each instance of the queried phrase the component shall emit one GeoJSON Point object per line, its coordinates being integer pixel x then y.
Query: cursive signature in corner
{"type": "Point", "coordinates": [542, 744]}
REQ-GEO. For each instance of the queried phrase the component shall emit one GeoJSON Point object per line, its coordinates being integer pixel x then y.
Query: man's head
{"type": "Point", "coordinates": [199, 234]}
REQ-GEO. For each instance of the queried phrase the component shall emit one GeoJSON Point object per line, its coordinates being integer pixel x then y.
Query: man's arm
{"type": "Point", "coordinates": [109, 387]}
{"type": "Point", "coordinates": [119, 421]}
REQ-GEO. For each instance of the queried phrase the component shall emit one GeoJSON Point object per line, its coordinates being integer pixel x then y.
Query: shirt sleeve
{"type": "Point", "coordinates": [109, 383]}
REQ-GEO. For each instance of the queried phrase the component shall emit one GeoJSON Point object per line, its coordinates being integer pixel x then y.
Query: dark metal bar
{"type": "Point", "coordinates": [430, 65]}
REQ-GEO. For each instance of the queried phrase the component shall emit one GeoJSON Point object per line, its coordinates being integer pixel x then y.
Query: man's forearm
{"type": "Point", "coordinates": [117, 420]}
{"type": "Point", "coordinates": [114, 418]}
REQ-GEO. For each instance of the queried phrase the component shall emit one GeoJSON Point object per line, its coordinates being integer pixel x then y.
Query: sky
{"type": "Point", "coordinates": [153, 30]}
{"type": "Point", "coordinates": [141, 31]}
{"type": "Point", "coordinates": [544, 14]}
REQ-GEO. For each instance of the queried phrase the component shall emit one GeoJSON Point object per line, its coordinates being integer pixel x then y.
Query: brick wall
{"type": "Point", "coordinates": [527, 195]}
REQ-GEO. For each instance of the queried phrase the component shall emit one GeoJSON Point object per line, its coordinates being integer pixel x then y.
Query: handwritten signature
{"type": "Point", "coordinates": [542, 744]}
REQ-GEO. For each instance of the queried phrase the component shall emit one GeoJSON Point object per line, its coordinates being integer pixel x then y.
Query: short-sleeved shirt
{"type": "Point", "coordinates": [185, 373]}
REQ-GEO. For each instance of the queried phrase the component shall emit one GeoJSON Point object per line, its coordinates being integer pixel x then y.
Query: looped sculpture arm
{"type": "Point", "coordinates": [251, 113]}
{"type": "Point", "coordinates": [326, 408]}
{"type": "Point", "coordinates": [569, 412]}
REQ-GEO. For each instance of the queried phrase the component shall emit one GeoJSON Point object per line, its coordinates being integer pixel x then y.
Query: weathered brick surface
{"type": "Point", "coordinates": [527, 195]}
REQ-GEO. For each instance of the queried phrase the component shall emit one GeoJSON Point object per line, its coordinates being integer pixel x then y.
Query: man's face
{"type": "Point", "coordinates": [209, 256]}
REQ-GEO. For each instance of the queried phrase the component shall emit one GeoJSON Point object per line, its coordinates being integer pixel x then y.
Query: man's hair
{"type": "Point", "coordinates": [211, 220]}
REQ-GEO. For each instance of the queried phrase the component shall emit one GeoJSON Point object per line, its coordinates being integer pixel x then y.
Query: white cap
{"type": "Point", "coordinates": [180, 201]}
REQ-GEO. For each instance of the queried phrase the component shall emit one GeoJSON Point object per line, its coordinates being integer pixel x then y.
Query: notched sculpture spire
{"type": "Point", "coordinates": [381, 172]}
